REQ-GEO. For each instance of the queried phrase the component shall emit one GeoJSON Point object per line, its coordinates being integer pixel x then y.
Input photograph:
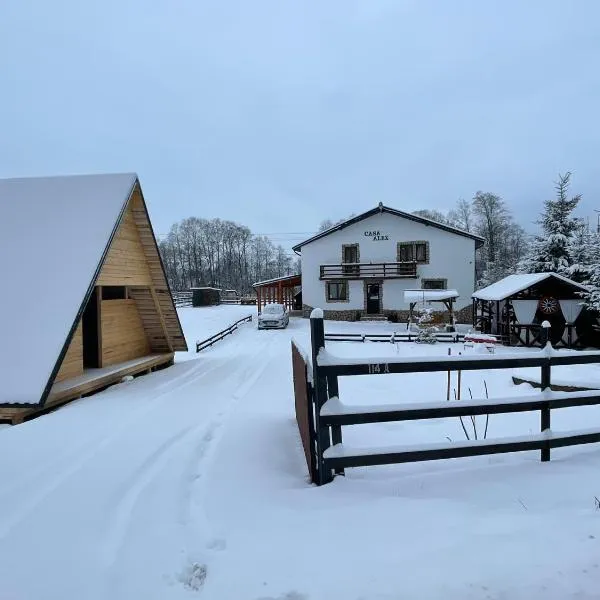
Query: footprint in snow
{"type": "Point", "coordinates": [193, 576]}
{"type": "Point", "coordinates": [217, 544]}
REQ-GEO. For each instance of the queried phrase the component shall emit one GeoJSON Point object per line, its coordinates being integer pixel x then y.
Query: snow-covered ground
{"type": "Point", "coordinates": [191, 483]}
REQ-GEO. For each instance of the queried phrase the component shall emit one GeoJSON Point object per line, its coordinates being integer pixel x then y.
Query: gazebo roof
{"type": "Point", "coordinates": [513, 284]}
{"type": "Point", "coordinates": [429, 295]}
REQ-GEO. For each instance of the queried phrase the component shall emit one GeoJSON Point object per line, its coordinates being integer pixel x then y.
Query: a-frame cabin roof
{"type": "Point", "coordinates": [55, 233]}
{"type": "Point", "coordinates": [391, 211]}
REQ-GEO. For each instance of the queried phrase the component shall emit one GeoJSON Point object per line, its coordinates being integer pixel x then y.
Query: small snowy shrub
{"type": "Point", "coordinates": [425, 317]}
{"type": "Point", "coordinates": [427, 336]}
{"type": "Point", "coordinates": [473, 419]}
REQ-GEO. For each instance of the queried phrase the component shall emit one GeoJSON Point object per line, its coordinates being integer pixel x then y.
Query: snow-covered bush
{"type": "Point", "coordinates": [427, 335]}
{"type": "Point", "coordinates": [425, 317]}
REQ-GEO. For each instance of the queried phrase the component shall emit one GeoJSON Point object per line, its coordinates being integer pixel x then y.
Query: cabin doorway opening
{"type": "Point", "coordinates": [90, 322]}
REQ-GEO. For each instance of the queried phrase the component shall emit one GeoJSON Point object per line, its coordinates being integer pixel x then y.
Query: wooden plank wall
{"type": "Point", "coordinates": [126, 262]}
{"type": "Point", "coordinates": [164, 305]}
{"type": "Point", "coordinates": [150, 318]}
{"type": "Point", "coordinates": [72, 364]}
{"type": "Point", "coordinates": [171, 321]}
{"type": "Point", "coordinates": [123, 334]}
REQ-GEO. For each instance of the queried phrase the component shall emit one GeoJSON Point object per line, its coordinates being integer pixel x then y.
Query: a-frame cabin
{"type": "Point", "coordinates": [85, 300]}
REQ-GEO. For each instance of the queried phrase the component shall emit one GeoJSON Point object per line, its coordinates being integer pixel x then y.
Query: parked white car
{"type": "Point", "coordinates": [273, 316]}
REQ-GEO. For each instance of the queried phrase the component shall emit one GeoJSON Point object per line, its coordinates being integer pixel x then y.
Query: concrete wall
{"type": "Point", "coordinates": [451, 257]}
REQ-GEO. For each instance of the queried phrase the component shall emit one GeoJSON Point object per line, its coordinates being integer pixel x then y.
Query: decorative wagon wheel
{"type": "Point", "coordinates": [548, 305]}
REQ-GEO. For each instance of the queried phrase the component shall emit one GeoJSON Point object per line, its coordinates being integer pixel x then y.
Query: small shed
{"type": "Point", "coordinates": [514, 308]}
{"type": "Point", "coordinates": [86, 300]}
{"type": "Point", "coordinates": [281, 290]}
{"type": "Point", "coordinates": [206, 296]}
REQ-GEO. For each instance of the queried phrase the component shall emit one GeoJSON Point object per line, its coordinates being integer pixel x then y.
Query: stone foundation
{"type": "Point", "coordinates": [464, 315]}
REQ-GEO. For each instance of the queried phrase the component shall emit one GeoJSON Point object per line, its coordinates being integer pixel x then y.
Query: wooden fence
{"type": "Point", "coordinates": [328, 455]}
{"type": "Point", "coordinates": [409, 336]}
{"type": "Point", "coordinates": [304, 407]}
{"type": "Point", "coordinates": [182, 298]}
{"type": "Point", "coordinates": [213, 339]}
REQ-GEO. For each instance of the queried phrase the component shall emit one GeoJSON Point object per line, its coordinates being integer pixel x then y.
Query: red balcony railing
{"type": "Point", "coordinates": [389, 270]}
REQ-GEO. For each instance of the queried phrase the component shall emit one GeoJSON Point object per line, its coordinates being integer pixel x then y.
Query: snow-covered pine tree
{"type": "Point", "coordinates": [592, 271]}
{"type": "Point", "coordinates": [550, 251]}
{"type": "Point", "coordinates": [592, 300]}
{"type": "Point", "coordinates": [583, 254]}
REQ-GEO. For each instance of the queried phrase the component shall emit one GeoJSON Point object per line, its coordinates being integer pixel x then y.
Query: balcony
{"type": "Point", "coordinates": [388, 270]}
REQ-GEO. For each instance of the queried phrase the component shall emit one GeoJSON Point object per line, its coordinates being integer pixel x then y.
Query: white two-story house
{"type": "Point", "coordinates": [364, 265]}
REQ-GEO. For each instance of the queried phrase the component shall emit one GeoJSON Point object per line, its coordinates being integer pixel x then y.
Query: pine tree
{"type": "Point", "coordinates": [550, 251]}
{"type": "Point", "coordinates": [592, 300]}
{"type": "Point", "coordinates": [583, 254]}
{"type": "Point", "coordinates": [591, 272]}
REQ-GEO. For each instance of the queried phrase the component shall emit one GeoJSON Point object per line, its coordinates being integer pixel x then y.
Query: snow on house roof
{"type": "Point", "coordinates": [54, 232]}
{"type": "Point", "coordinates": [287, 278]}
{"type": "Point", "coordinates": [511, 285]}
{"type": "Point", "coordinates": [392, 211]}
{"type": "Point", "coordinates": [429, 295]}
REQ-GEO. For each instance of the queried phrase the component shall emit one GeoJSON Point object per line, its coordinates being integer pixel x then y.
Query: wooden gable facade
{"type": "Point", "coordinates": [127, 323]}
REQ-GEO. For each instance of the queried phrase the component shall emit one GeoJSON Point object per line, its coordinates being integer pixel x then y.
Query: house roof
{"type": "Point", "coordinates": [397, 213]}
{"type": "Point", "coordinates": [54, 235]}
{"type": "Point", "coordinates": [290, 280]}
{"type": "Point", "coordinates": [513, 284]}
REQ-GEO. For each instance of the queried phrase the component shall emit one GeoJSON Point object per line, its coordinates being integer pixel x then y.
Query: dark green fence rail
{"type": "Point", "coordinates": [322, 434]}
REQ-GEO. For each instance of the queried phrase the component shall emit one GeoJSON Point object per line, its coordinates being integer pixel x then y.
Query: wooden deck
{"type": "Point", "coordinates": [92, 380]}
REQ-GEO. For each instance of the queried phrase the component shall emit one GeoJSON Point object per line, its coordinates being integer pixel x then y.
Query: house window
{"type": "Point", "coordinates": [434, 284]}
{"type": "Point", "coordinates": [337, 291]}
{"type": "Point", "coordinates": [114, 292]}
{"type": "Point", "coordinates": [350, 254]}
{"type": "Point", "coordinates": [413, 252]}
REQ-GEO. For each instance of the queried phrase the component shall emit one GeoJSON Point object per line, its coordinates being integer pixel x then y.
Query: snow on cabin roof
{"type": "Point", "coordinates": [392, 211]}
{"type": "Point", "coordinates": [511, 285]}
{"type": "Point", "coordinates": [53, 235]}
{"type": "Point", "coordinates": [206, 287]}
{"type": "Point", "coordinates": [429, 295]}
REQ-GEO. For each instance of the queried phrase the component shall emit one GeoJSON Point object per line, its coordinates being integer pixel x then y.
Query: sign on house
{"type": "Point", "coordinates": [376, 236]}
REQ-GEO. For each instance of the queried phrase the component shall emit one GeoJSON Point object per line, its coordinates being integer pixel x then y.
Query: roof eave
{"type": "Point", "coordinates": [479, 241]}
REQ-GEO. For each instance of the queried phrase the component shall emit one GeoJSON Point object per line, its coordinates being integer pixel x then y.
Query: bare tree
{"type": "Point", "coordinates": [432, 215]}
{"type": "Point", "coordinates": [462, 215]}
{"type": "Point", "coordinates": [220, 253]}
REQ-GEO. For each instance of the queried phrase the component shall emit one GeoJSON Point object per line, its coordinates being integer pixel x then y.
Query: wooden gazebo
{"type": "Point", "coordinates": [514, 308]}
{"type": "Point", "coordinates": [281, 290]}
{"type": "Point", "coordinates": [445, 297]}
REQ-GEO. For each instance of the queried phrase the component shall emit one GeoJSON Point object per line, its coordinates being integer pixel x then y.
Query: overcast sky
{"type": "Point", "coordinates": [280, 114]}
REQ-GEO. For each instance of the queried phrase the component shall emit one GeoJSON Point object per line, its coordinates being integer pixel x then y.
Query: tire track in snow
{"type": "Point", "coordinates": [204, 451]}
{"type": "Point", "coordinates": [156, 462]}
{"type": "Point", "coordinates": [146, 473]}
{"type": "Point", "coordinates": [10, 520]}
{"type": "Point", "coordinates": [196, 532]}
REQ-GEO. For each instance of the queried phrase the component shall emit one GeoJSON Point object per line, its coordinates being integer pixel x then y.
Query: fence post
{"type": "Point", "coordinates": [317, 340]}
{"type": "Point", "coordinates": [333, 391]}
{"type": "Point", "coordinates": [545, 385]}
